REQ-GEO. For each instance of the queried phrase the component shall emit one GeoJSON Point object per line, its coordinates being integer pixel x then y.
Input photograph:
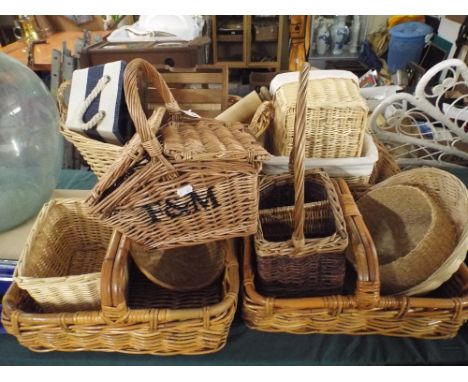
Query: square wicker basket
{"type": "Point", "coordinates": [336, 116]}
{"type": "Point", "coordinates": [60, 266]}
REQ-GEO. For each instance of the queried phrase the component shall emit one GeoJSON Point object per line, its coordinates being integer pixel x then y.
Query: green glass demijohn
{"type": "Point", "coordinates": [31, 147]}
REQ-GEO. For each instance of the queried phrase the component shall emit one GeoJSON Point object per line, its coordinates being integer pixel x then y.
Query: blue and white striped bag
{"type": "Point", "coordinates": [97, 105]}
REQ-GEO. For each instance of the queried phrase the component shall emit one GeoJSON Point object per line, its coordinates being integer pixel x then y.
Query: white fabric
{"type": "Point", "coordinates": [335, 167]}
{"type": "Point", "coordinates": [159, 28]}
{"type": "Point", "coordinates": [290, 77]}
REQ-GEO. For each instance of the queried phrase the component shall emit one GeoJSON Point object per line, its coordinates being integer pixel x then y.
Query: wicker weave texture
{"type": "Point", "coordinates": [208, 141]}
{"type": "Point", "coordinates": [61, 261]}
{"type": "Point", "coordinates": [451, 196]}
{"type": "Point", "coordinates": [199, 196]}
{"type": "Point", "coordinates": [412, 234]}
{"type": "Point", "coordinates": [436, 316]}
{"type": "Point", "coordinates": [151, 320]}
{"type": "Point", "coordinates": [319, 266]}
{"type": "Point", "coordinates": [335, 122]}
{"type": "Point", "coordinates": [418, 317]}
{"type": "Point", "coordinates": [306, 261]}
{"type": "Point", "coordinates": [101, 155]}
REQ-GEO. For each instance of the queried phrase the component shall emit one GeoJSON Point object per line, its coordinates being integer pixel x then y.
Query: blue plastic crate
{"type": "Point", "coordinates": [7, 268]}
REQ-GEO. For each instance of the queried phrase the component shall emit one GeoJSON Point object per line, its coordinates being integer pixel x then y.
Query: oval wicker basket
{"type": "Point", "coordinates": [412, 234]}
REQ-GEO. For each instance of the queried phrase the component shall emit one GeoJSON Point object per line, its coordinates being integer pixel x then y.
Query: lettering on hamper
{"type": "Point", "coordinates": [174, 208]}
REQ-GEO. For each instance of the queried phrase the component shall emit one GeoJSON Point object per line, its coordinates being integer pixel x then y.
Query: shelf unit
{"type": "Point", "coordinates": [246, 42]}
{"type": "Point", "coordinates": [319, 61]}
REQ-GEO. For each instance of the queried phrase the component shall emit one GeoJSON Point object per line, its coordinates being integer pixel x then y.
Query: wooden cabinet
{"type": "Point", "coordinates": [248, 41]}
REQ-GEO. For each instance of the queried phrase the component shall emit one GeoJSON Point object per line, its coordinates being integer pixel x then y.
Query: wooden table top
{"type": "Point", "coordinates": [43, 52]}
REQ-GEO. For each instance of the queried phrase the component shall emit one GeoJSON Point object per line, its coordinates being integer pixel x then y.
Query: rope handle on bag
{"type": "Point", "coordinates": [99, 116]}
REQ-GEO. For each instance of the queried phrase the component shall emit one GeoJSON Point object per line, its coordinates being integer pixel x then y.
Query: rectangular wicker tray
{"type": "Point", "coordinates": [435, 316]}
{"type": "Point", "coordinates": [136, 316]}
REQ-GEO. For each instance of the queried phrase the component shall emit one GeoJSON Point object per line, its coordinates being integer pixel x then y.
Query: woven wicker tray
{"type": "Point", "coordinates": [136, 315]}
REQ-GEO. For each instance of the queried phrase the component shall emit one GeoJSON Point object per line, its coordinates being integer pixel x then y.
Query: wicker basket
{"type": "Point", "coordinates": [201, 186]}
{"type": "Point", "coordinates": [182, 268]}
{"type": "Point", "coordinates": [413, 235]}
{"type": "Point", "coordinates": [101, 155]}
{"type": "Point", "coordinates": [435, 316]}
{"type": "Point", "coordinates": [336, 117]}
{"type": "Point", "coordinates": [384, 168]}
{"type": "Point", "coordinates": [301, 239]}
{"type": "Point", "coordinates": [61, 262]}
{"type": "Point", "coordinates": [450, 196]}
{"type": "Point", "coordinates": [330, 314]}
{"type": "Point", "coordinates": [151, 320]}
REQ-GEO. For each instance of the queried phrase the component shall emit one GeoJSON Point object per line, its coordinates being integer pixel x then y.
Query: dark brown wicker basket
{"type": "Point", "coordinates": [302, 235]}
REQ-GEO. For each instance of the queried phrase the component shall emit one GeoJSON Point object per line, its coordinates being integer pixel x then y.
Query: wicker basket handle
{"type": "Point", "coordinates": [361, 246]}
{"type": "Point", "coordinates": [114, 278]}
{"type": "Point", "coordinates": [296, 158]}
{"type": "Point", "coordinates": [106, 271]}
{"type": "Point", "coordinates": [132, 74]}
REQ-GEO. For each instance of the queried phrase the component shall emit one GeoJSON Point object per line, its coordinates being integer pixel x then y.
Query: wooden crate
{"type": "Point", "coordinates": [175, 54]}
{"type": "Point", "coordinates": [202, 89]}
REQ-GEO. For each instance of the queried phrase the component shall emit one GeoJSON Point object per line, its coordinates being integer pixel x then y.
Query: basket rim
{"type": "Point", "coordinates": [338, 240]}
{"type": "Point", "coordinates": [457, 257]}
{"type": "Point", "coordinates": [31, 282]}
{"type": "Point", "coordinates": [100, 317]}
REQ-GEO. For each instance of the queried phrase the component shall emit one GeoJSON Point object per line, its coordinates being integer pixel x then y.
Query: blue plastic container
{"type": "Point", "coordinates": [7, 268]}
{"type": "Point", "coordinates": [406, 44]}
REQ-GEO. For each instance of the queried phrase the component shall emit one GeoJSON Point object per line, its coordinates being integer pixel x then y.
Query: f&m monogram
{"type": "Point", "coordinates": [189, 204]}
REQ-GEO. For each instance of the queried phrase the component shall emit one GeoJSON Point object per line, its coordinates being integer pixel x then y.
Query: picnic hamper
{"type": "Point", "coordinates": [302, 237]}
{"type": "Point", "coordinates": [200, 185]}
{"type": "Point", "coordinates": [336, 114]}
{"type": "Point", "coordinates": [136, 316]}
{"type": "Point", "coordinates": [60, 266]}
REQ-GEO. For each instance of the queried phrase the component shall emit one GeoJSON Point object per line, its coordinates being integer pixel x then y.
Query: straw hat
{"type": "Point", "coordinates": [419, 222]}
{"type": "Point", "coordinates": [182, 268]}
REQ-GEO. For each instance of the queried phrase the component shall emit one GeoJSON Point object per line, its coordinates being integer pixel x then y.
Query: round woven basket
{"type": "Point", "coordinates": [412, 234]}
{"type": "Point", "coordinates": [451, 195]}
{"type": "Point", "coordinates": [182, 268]}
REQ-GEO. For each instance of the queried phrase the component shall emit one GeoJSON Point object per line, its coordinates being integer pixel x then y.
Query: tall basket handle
{"type": "Point", "coordinates": [296, 158]}
{"type": "Point", "coordinates": [132, 74]}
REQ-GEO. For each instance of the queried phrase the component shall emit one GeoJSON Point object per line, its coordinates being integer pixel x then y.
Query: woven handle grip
{"type": "Point", "coordinates": [296, 159]}
{"type": "Point", "coordinates": [367, 290]}
{"type": "Point", "coordinates": [134, 70]}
